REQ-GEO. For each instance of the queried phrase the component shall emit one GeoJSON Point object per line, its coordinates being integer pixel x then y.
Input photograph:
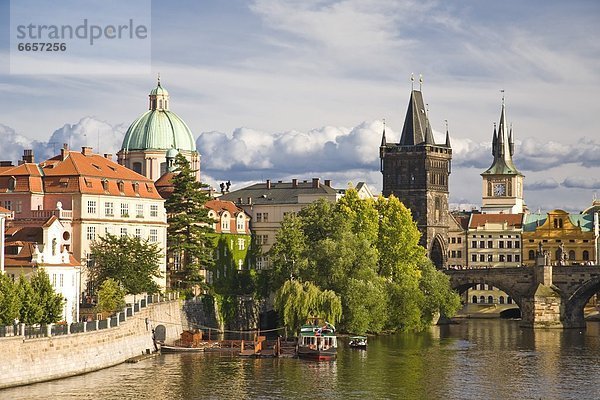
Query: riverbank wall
{"type": "Point", "coordinates": [26, 360]}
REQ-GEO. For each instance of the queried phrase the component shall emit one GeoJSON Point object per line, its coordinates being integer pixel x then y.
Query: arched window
{"type": "Point", "coordinates": [491, 299]}
{"type": "Point", "coordinates": [482, 299]}
{"type": "Point", "coordinates": [531, 255]}
{"type": "Point", "coordinates": [482, 286]}
{"type": "Point", "coordinates": [555, 222]}
{"type": "Point", "coordinates": [586, 255]}
{"type": "Point", "coordinates": [509, 300]}
{"type": "Point", "coordinates": [560, 223]}
{"type": "Point", "coordinates": [557, 255]}
{"type": "Point", "coordinates": [510, 188]}
{"type": "Point", "coordinates": [571, 254]}
{"type": "Point", "coordinates": [12, 183]}
{"type": "Point", "coordinates": [474, 300]}
{"type": "Point", "coordinates": [160, 104]}
{"type": "Point", "coordinates": [501, 300]}
{"type": "Point", "coordinates": [489, 188]}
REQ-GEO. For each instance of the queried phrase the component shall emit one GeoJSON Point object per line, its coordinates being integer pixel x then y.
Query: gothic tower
{"type": "Point", "coordinates": [416, 171]}
{"type": "Point", "coordinates": [502, 183]}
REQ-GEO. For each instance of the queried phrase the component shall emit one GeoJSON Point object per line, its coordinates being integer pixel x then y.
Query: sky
{"type": "Point", "coordinates": [284, 89]}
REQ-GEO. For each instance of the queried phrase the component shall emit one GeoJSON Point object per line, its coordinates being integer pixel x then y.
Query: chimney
{"type": "Point", "coordinates": [64, 152]}
{"type": "Point", "coordinates": [295, 183]}
{"type": "Point", "coordinates": [86, 151]}
{"type": "Point", "coordinates": [108, 156]}
{"type": "Point", "coordinates": [328, 182]}
{"type": "Point", "coordinates": [6, 164]}
{"type": "Point", "coordinates": [315, 183]}
{"type": "Point", "coordinates": [28, 156]}
{"type": "Point", "coordinates": [268, 184]}
{"type": "Point", "coordinates": [250, 200]}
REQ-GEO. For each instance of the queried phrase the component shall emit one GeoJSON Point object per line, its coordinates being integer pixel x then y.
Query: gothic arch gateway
{"type": "Point", "coordinates": [438, 252]}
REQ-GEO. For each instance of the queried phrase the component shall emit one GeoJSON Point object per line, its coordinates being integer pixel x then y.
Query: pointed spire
{"type": "Point", "coordinates": [494, 141]}
{"type": "Point", "coordinates": [416, 128]}
{"type": "Point", "coordinates": [383, 141]}
{"type": "Point", "coordinates": [447, 134]}
{"type": "Point", "coordinates": [511, 143]}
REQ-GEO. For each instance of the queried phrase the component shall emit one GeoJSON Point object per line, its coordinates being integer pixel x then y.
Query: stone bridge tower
{"type": "Point", "coordinates": [416, 171]}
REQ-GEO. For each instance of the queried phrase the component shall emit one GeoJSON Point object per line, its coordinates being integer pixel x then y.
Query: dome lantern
{"type": "Point", "coordinates": [159, 98]}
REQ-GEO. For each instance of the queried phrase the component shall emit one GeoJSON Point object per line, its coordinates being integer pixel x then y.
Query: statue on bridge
{"type": "Point", "coordinates": [543, 253]}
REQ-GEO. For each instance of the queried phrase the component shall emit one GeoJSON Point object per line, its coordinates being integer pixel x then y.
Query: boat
{"type": "Point", "coordinates": [358, 342]}
{"type": "Point", "coordinates": [317, 340]}
{"type": "Point", "coordinates": [165, 348]}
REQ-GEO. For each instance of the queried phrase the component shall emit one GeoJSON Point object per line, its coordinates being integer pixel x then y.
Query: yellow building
{"type": "Point", "coordinates": [571, 239]}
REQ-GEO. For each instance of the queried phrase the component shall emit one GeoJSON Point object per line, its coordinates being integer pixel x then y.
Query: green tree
{"type": "Point", "coordinates": [132, 262]}
{"type": "Point", "coordinates": [50, 301]}
{"type": "Point", "coordinates": [31, 310]}
{"type": "Point", "coordinates": [9, 300]}
{"type": "Point", "coordinates": [111, 297]}
{"type": "Point", "coordinates": [296, 302]}
{"type": "Point", "coordinates": [189, 225]}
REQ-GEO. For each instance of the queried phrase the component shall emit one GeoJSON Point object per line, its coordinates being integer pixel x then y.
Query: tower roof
{"type": "Point", "coordinates": [417, 129]}
{"type": "Point", "coordinates": [502, 149]}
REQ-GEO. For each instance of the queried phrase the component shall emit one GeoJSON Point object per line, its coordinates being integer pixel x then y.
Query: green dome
{"type": "Point", "coordinates": [159, 90]}
{"type": "Point", "coordinates": [160, 130]}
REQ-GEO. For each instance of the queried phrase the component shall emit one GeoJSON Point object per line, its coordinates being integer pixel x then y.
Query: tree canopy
{"type": "Point", "coordinates": [367, 253]}
{"type": "Point", "coordinates": [132, 262]}
{"type": "Point", "coordinates": [9, 300]}
{"type": "Point", "coordinates": [111, 297]}
{"type": "Point", "coordinates": [189, 224]}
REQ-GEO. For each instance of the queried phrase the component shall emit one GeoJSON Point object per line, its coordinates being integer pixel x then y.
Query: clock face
{"type": "Point", "coordinates": [499, 189]}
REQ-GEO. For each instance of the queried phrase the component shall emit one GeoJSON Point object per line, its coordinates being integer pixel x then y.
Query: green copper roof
{"type": "Point", "coordinates": [158, 129]}
{"type": "Point", "coordinates": [159, 90]}
{"type": "Point", "coordinates": [502, 149]}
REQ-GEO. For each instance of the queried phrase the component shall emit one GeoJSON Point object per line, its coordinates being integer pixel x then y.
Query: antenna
{"type": "Point", "coordinates": [502, 91]}
{"type": "Point", "coordinates": [412, 81]}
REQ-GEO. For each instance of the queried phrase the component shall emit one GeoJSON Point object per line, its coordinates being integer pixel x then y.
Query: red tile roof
{"type": "Point", "coordinates": [220, 205]}
{"type": "Point", "coordinates": [477, 220]}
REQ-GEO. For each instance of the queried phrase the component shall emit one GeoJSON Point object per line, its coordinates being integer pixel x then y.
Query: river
{"type": "Point", "coordinates": [474, 359]}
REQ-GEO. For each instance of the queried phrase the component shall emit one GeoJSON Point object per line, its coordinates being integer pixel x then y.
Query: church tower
{"type": "Point", "coordinates": [416, 171]}
{"type": "Point", "coordinates": [502, 183]}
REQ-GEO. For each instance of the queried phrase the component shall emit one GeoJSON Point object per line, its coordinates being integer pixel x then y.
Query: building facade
{"type": "Point", "coordinates": [416, 171]}
{"type": "Point", "coordinates": [457, 239]}
{"type": "Point", "coordinates": [91, 196]}
{"type": "Point", "coordinates": [570, 239]}
{"type": "Point", "coordinates": [38, 244]}
{"type": "Point", "coordinates": [494, 240]}
{"type": "Point", "coordinates": [153, 134]}
{"type": "Point", "coordinates": [269, 202]}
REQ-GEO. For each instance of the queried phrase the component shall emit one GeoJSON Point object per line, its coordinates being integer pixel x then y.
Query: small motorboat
{"type": "Point", "coordinates": [358, 342]}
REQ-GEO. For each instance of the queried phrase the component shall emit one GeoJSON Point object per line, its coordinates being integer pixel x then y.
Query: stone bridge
{"type": "Point", "coordinates": [548, 296]}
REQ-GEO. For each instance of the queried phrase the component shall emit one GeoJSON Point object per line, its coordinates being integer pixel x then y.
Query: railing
{"type": "Point", "coordinates": [43, 330]}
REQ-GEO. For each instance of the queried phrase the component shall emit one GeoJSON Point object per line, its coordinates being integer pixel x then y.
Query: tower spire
{"type": "Point", "coordinates": [447, 134]}
{"type": "Point", "coordinates": [383, 140]}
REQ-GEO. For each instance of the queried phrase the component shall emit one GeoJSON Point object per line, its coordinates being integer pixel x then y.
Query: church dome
{"type": "Point", "coordinates": [158, 128]}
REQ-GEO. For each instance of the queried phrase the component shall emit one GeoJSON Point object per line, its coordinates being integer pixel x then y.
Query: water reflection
{"type": "Point", "coordinates": [476, 359]}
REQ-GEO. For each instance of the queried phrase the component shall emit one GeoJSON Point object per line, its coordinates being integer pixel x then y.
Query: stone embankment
{"type": "Point", "coordinates": [25, 360]}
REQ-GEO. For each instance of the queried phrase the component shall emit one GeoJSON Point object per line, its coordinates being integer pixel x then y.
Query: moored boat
{"type": "Point", "coordinates": [358, 342]}
{"type": "Point", "coordinates": [164, 348]}
{"type": "Point", "coordinates": [317, 340]}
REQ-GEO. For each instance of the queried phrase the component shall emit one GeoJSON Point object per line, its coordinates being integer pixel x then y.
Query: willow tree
{"type": "Point", "coordinates": [296, 302]}
{"type": "Point", "coordinates": [189, 225]}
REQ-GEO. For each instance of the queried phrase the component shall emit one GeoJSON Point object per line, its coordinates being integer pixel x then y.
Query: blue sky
{"type": "Point", "coordinates": [283, 88]}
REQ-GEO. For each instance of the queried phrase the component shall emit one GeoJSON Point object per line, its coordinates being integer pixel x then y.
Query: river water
{"type": "Point", "coordinates": [474, 359]}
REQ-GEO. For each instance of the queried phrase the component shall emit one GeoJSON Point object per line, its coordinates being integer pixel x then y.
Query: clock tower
{"type": "Point", "coordinates": [502, 182]}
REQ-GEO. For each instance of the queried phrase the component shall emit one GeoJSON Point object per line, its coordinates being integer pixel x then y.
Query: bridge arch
{"type": "Point", "coordinates": [462, 285]}
{"type": "Point", "coordinates": [575, 304]}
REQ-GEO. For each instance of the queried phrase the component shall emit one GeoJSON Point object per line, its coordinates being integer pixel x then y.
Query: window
{"type": "Point", "coordinates": [258, 217]}
{"type": "Point", "coordinates": [474, 244]}
{"type": "Point", "coordinates": [105, 184]}
{"type": "Point", "coordinates": [109, 210]}
{"type": "Point", "coordinates": [12, 183]}
{"type": "Point", "coordinates": [154, 210]}
{"type": "Point", "coordinates": [124, 210]}
{"type": "Point", "coordinates": [509, 244]}
{"type": "Point", "coordinates": [138, 233]}
{"type": "Point", "coordinates": [137, 167]}
{"type": "Point", "coordinates": [501, 244]}
{"type": "Point", "coordinates": [509, 258]}
{"type": "Point", "coordinates": [91, 233]}
{"type": "Point", "coordinates": [123, 232]}
{"type": "Point", "coordinates": [517, 258]}
{"type": "Point", "coordinates": [459, 240]}
{"type": "Point", "coordinates": [531, 255]}
{"type": "Point", "coordinates": [491, 299]}
{"type": "Point", "coordinates": [501, 258]}
{"type": "Point", "coordinates": [153, 235]}
{"type": "Point", "coordinates": [459, 253]}
{"type": "Point", "coordinates": [54, 280]}
{"type": "Point", "coordinates": [18, 206]}
{"type": "Point", "coordinates": [240, 264]}
{"type": "Point", "coordinates": [241, 244]}
{"type": "Point", "coordinates": [501, 300]}
{"type": "Point", "coordinates": [490, 244]}
{"type": "Point", "coordinates": [61, 280]}
{"type": "Point", "coordinates": [482, 257]}
{"type": "Point", "coordinates": [8, 205]}
{"type": "Point", "coordinates": [265, 217]}
{"type": "Point", "coordinates": [473, 257]}
{"type": "Point", "coordinates": [240, 224]}
{"type": "Point", "coordinates": [482, 244]}
{"type": "Point", "coordinates": [453, 254]}
{"type": "Point", "coordinates": [571, 254]}
{"type": "Point", "coordinates": [121, 186]}
{"type": "Point", "coordinates": [453, 240]}
{"type": "Point", "coordinates": [586, 255]}
{"type": "Point", "coordinates": [490, 257]}
{"type": "Point", "coordinates": [139, 211]}
{"type": "Point", "coordinates": [107, 230]}
{"type": "Point", "coordinates": [517, 244]}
